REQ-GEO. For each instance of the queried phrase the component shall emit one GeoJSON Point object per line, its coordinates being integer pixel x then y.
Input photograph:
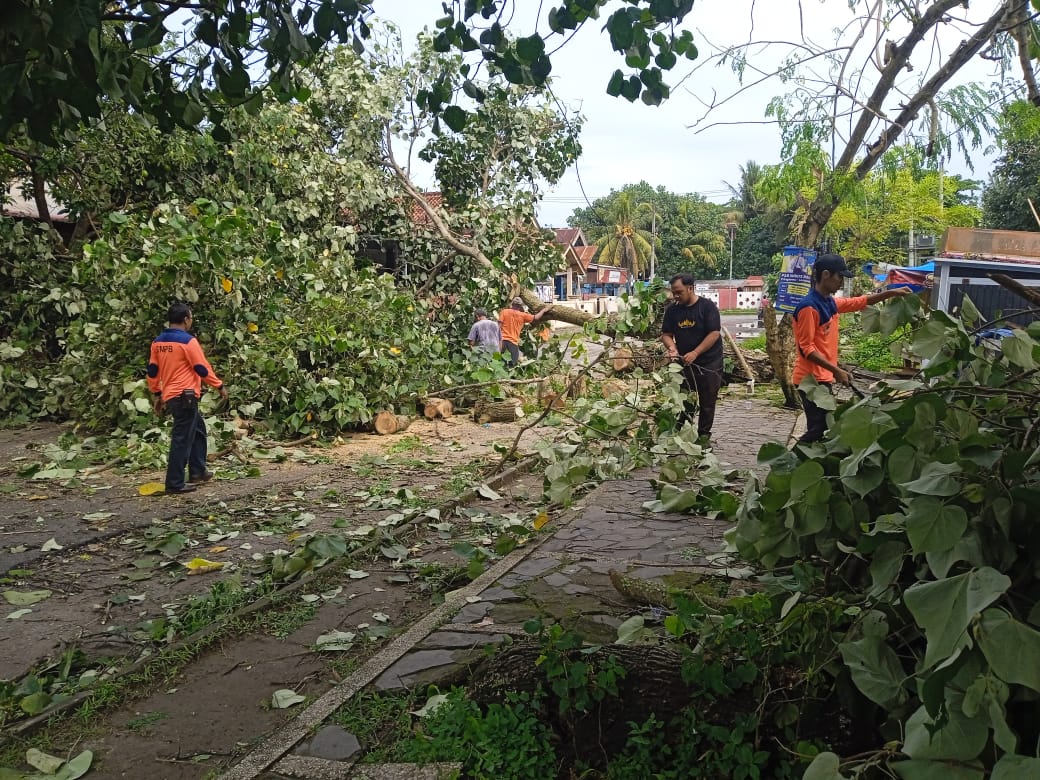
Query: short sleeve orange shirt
{"type": "Point", "coordinates": [513, 321]}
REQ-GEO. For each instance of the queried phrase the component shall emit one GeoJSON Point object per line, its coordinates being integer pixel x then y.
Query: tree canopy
{"type": "Point", "coordinates": [1015, 180]}
{"type": "Point", "coordinates": [63, 61]}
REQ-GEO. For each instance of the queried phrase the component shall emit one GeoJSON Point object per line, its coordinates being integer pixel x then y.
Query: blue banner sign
{"type": "Point", "coordinates": [795, 277]}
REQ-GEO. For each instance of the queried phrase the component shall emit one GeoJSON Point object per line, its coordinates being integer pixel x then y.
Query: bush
{"type": "Point", "coordinates": [917, 513]}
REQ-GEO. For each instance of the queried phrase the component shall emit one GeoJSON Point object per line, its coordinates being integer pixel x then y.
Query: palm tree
{"type": "Point", "coordinates": [625, 244]}
{"type": "Point", "coordinates": [707, 249]}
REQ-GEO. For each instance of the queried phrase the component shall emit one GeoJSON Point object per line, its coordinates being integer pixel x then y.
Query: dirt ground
{"type": "Point", "coordinates": [106, 574]}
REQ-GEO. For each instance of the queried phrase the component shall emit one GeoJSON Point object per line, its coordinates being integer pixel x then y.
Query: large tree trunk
{"type": "Point", "coordinates": [780, 347]}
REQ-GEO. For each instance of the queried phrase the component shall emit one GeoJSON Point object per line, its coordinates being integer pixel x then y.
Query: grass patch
{"type": "Point", "coordinates": [378, 720]}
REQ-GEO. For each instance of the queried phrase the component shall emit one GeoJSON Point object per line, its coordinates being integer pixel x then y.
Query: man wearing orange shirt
{"type": "Point", "coordinates": [816, 334]}
{"type": "Point", "coordinates": [177, 367]}
{"type": "Point", "coordinates": [512, 321]}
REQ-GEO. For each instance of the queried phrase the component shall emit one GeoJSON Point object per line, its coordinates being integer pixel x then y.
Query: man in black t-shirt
{"type": "Point", "coordinates": [692, 333]}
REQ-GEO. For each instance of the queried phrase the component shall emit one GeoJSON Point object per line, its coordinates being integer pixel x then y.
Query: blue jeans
{"type": "Point", "coordinates": [187, 440]}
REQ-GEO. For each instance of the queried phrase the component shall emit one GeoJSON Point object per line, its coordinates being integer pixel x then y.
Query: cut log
{"type": "Point", "coordinates": [485, 411]}
{"type": "Point", "coordinates": [614, 388]}
{"type": "Point", "coordinates": [385, 423]}
{"type": "Point", "coordinates": [648, 358]}
{"type": "Point", "coordinates": [622, 360]}
{"type": "Point", "coordinates": [437, 408]}
{"type": "Point", "coordinates": [555, 388]}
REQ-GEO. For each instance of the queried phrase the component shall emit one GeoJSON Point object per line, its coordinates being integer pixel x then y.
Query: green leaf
{"type": "Point", "coordinates": [945, 609]}
{"type": "Point", "coordinates": [455, 118]}
{"type": "Point", "coordinates": [959, 739]}
{"type": "Point", "coordinates": [1018, 348]}
{"type": "Point", "coordinates": [969, 314]}
{"type": "Point", "coordinates": [45, 762]}
{"type": "Point", "coordinates": [937, 479]}
{"type": "Point", "coordinates": [824, 766]}
{"type": "Point", "coordinates": [875, 670]}
{"type": "Point", "coordinates": [76, 767]}
{"type": "Point", "coordinates": [35, 703]}
{"type": "Point", "coordinates": [1012, 648]}
{"type": "Point", "coordinates": [286, 697]}
{"type": "Point", "coordinates": [936, 770]}
{"type": "Point", "coordinates": [929, 339]}
{"type": "Point", "coordinates": [805, 476]}
{"type": "Point", "coordinates": [968, 548]}
{"type": "Point", "coordinates": [25, 598]}
{"type": "Point", "coordinates": [934, 526]}
{"type": "Point", "coordinates": [1016, 768]}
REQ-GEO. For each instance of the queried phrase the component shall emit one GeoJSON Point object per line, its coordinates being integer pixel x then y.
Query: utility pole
{"type": "Point", "coordinates": [731, 228]}
{"type": "Point", "coordinates": [653, 240]}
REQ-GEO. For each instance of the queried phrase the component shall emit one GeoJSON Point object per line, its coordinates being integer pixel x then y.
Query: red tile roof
{"type": "Point", "coordinates": [419, 217]}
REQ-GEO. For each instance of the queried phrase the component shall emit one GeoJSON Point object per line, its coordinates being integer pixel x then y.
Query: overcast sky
{"type": "Point", "coordinates": [624, 143]}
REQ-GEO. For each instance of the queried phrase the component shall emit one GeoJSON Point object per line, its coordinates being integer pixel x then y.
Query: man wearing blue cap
{"type": "Point", "coordinates": [816, 334]}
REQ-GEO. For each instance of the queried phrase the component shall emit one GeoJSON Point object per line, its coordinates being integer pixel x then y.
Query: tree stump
{"type": "Point", "coordinates": [652, 685]}
{"type": "Point", "coordinates": [385, 423]}
{"type": "Point", "coordinates": [485, 411]}
{"type": "Point", "coordinates": [437, 408]}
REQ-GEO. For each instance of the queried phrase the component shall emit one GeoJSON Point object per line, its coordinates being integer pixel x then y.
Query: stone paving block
{"type": "Point", "coordinates": [472, 613]}
{"type": "Point", "coordinates": [418, 667]}
{"type": "Point", "coordinates": [332, 743]}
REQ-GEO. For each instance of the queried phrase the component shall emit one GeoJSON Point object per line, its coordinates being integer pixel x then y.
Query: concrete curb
{"type": "Point", "coordinates": [26, 727]}
{"type": "Point", "coordinates": [289, 735]}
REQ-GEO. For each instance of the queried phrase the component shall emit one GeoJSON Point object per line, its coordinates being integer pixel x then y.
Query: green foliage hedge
{"type": "Point", "coordinates": [918, 511]}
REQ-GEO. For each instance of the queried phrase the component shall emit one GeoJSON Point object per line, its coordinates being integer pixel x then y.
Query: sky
{"type": "Point", "coordinates": [624, 142]}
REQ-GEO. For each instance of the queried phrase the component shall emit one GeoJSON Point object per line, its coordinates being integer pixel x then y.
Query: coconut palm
{"type": "Point", "coordinates": [626, 244]}
{"type": "Point", "coordinates": [708, 249]}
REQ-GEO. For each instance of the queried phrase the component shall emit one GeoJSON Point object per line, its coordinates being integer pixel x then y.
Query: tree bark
{"type": "Point", "coordinates": [1005, 281]}
{"type": "Point", "coordinates": [385, 423]}
{"type": "Point", "coordinates": [485, 411]}
{"type": "Point", "coordinates": [828, 199]}
{"type": "Point", "coordinates": [780, 348]}
{"type": "Point", "coordinates": [437, 408]}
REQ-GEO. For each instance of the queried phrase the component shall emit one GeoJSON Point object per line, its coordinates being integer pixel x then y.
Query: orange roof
{"type": "Point", "coordinates": [415, 211]}
{"type": "Point", "coordinates": [586, 253]}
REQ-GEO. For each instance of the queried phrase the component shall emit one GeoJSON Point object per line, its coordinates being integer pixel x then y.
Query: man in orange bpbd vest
{"type": "Point", "coordinates": [816, 334]}
{"type": "Point", "coordinates": [177, 368]}
{"type": "Point", "coordinates": [512, 321]}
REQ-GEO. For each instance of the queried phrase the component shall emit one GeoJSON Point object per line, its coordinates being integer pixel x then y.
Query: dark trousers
{"type": "Point", "coordinates": [815, 418]}
{"type": "Point", "coordinates": [187, 440]}
{"type": "Point", "coordinates": [705, 380]}
{"type": "Point", "coordinates": [512, 352]}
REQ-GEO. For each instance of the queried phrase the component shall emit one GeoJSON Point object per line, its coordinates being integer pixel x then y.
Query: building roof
{"type": "Point", "coordinates": [14, 204]}
{"type": "Point", "coordinates": [569, 236]}
{"type": "Point", "coordinates": [587, 253]}
{"type": "Point", "coordinates": [415, 211]}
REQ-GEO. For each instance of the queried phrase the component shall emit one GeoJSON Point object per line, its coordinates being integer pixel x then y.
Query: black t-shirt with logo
{"type": "Point", "coordinates": [690, 325]}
